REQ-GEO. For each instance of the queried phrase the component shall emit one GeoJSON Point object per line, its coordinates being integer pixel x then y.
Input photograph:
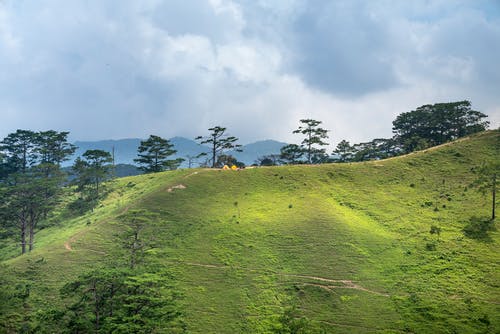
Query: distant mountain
{"type": "Point", "coordinates": [121, 170]}
{"type": "Point", "coordinates": [126, 149]}
{"type": "Point", "coordinates": [258, 149]}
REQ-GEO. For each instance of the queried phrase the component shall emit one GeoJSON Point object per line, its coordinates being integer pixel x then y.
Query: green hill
{"type": "Point", "coordinates": [347, 246]}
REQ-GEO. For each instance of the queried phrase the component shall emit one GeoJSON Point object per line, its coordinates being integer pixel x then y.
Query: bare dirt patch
{"type": "Point", "coordinates": [179, 186]}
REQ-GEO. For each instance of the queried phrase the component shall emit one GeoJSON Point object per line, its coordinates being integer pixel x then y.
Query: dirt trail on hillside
{"type": "Point", "coordinates": [178, 186]}
{"type": "Point", "coordinates": [347, 284]}
{"type": "Point", "coordinates": [74, 237]}
{"type": "Point", "coordinates": [336, 283]}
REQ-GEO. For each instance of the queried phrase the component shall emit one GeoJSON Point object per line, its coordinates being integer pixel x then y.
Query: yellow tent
{"type": "Point", "coordinates": [226, 167]}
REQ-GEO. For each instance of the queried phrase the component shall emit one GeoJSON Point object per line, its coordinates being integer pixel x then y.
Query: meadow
{"type": "Point", "coordinates": [346, 247]}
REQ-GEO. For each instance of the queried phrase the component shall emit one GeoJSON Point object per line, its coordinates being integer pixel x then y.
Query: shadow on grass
{"type": "Point", "coordinates": [478, 228]}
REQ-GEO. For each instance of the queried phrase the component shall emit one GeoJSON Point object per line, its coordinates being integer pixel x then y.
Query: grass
{"type": "Point", "coordinates": [349, 245]}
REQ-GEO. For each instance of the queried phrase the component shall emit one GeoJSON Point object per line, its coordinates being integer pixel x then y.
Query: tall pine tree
{"type": "Point", "coordinates": [219, 141]}
{"type": "Point", "coordinates": [154, 155]}
{"type": "Point", "coordinates": [314, 137]}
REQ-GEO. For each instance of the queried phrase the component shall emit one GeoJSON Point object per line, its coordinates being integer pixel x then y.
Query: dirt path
{"type": "Point", "coordinates": [67, 243]}
{"type": "Point", "coordinates": [74, 237]}
{"type": "Point", "coordinates": [347, 284]}
{"type": "Point", "coordinates": [335, 283]}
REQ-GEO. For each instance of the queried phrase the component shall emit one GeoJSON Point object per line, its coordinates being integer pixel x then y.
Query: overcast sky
{"type": "Point", "coordinates": [128, 68]}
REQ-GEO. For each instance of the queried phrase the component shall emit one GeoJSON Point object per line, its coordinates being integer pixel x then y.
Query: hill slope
{"type": "Point", "coordinates": [348, 245]}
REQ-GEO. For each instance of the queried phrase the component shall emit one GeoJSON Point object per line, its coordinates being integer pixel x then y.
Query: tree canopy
{"type": "Point", "coordinates": [31, 178]}
{"type": "Point", "coordinates": [424, 127]}
{"type": "Point", "coordinates": [90, 170]}
{"type": "Point", "coordinates": [153, 155]}
{"type": "Point", "coordinates": [219, 142]}
{"type": "Point", "coordinates": [435, 124]}
{"type": "Point", "coordinates": [314, 137]}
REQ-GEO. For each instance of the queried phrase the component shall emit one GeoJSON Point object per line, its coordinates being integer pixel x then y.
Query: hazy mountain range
{"type": "Point", "coordinates": [125, 150]}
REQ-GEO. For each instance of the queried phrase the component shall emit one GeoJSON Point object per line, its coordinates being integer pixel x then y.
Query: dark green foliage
{"type": "Point", "coordinates": [479, 228]}
{"type": "Point", "coordinates": [314, 137]}
{"type": "Point", "coordinates": [376, 149]}
{"type": "Point", "coordinates": [435, 230]}
{"type": "Point", "coordinates": [427, 126]}
{"type": "Point", "coordinates": [147, 304]}
{"type": "Point", "coordinates": [344, 151]}
{"type": "Point", "coordinates": [19, 150]}
{"type": "Point", "coordinates": [134, 298]}
{"type": "Point", "coordinates": [228, 160]}
{"type": "Point", "coordinates": [219, 142]}
{"type": "Point", "coordinates": [430, 246]}
{"type": "Point", "coordinates": [431, 125]}
{"type": "Point", "coordinates": [53, 147]}
{"type": "Point", "coordinates": [291, 154]}
{"type": "Point", "coordinates": [291, 322]}
{"type": "Point", "coordinates": [268, 160]}
{"type": "Point", "coordinates": [31, 179]}
{"type": "Point", "coordinates": [154, 153]}
{"type": "Point", "coordinates": [29, 199]}
{"type": "Point", "coordinates": [90, 171]}
{"type": "Point", "coordinates": [134, 223]}
{"type": "Point", "coordinates": [94, 298]}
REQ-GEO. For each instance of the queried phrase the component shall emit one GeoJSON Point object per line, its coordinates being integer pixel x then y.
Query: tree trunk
{"type": "Point", "coordinates": [494, 196]}
{"type": "Point", "coordinates": [214, 153]}
{"type": "Point", "coordinates": [31, 238]}
{"type": "Point", "coordinates": [309, 149]}
{"type": "Point", "coordinates": [31, 230]}
{"type": "Point", "coordinates": [23, 235]}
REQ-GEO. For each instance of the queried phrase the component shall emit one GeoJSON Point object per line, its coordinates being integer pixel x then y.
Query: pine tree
{"type": "Point", "coordinates": [314, 136]}
{"type": "Point", "coordinates": [291, 154]}
{"type": "Point", "coordinates": [219, 142]}
{"type": "Point", "coordinates": [344, 150]}
{"type": "Point", "coordinates": [486, 181]}
{"type": "Point", "coordinates": [91, 170]}
{"type": "Point", "coordinates": [31, 178]}
{"type": "Point", "coordinates": [153, 155]}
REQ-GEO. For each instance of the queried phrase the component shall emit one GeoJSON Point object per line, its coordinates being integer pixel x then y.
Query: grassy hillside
{"type": "Point", "coordinates": [347, 245]}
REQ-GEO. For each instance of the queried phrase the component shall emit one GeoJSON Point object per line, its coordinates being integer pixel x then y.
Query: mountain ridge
{"type": "Point", "coordinates": [126, 149]}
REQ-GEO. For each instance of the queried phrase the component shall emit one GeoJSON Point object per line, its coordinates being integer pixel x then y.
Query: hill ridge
{"type": "Point", "coordinates": [345, 243]}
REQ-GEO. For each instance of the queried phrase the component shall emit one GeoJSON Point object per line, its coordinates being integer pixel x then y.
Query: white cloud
{"type": "Point", "coordinates": [127, 69]}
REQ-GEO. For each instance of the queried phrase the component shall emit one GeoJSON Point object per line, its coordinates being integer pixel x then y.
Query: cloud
{"type": "Point", "coordinates": [341, 48]}
{"type": "Point", "coordinates": [120, 69]}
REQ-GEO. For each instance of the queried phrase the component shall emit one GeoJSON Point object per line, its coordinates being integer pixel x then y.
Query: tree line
{"type": "Point", "coordinates": [424, 127]}
{"type": "Point", "coordinates": [32, 180]}
{"type": "Point", "coordinates": [125, 293]}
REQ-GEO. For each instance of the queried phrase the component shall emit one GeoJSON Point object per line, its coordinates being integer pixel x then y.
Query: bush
{"type": "Point", "coordinates": [478, 228]}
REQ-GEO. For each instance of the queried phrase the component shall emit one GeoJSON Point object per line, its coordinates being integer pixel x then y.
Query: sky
{"type": "Point", "coordinates": [127, 69]}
